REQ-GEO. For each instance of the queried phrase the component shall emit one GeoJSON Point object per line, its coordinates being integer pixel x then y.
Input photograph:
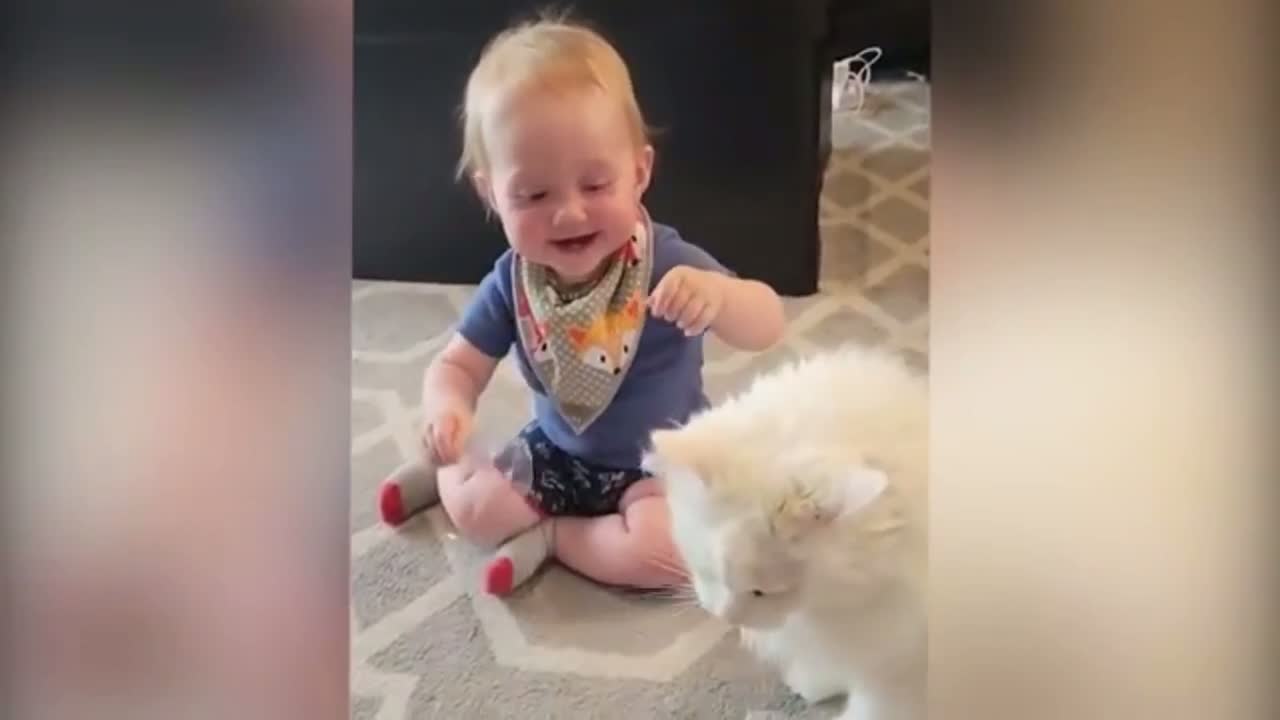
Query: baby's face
{"type": "Point", "coordinates": [566, 179]}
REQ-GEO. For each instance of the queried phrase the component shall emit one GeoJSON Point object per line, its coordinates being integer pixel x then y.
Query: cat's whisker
{"type": "Point", "coordinates": [683, 589]}
{"type": "Point", "coordinates": [679, 597]}
{"type": "Point", "coordinates": [683, 607]}
{"type": "Point", "coordinates": [668, 565]}
{"type": "Point", "coordinates": [683, 610]}
{"type": "Point", "coordinates": [681, 585]}
{"type": "Point", "coordinates": [678, 588]}
{"type": "Point", "coordinates": [678, 611]}
{"type": "Point", "coordinates": [683, 598]}
{"type": "Point", "coordinates": [676, 593]}
{"type": "Point", "coordinates": [665, 561]}
{"type": "Point", "coordinates": [677, 601]}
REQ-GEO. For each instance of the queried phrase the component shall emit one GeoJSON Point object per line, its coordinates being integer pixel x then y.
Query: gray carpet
{"type": "Point", "coordinates": [425, 645]}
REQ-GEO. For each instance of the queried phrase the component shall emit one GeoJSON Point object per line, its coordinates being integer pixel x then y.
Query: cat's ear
{"type": "Point", "coordinates": [817, 499]}
{"type": "Point", "coordinates": [856, 488]}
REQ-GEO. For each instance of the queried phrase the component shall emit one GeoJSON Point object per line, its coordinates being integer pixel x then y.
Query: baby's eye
{"type": "Point", "coordinates": [758, 593]}
{"type": "Point", "coordinates": [596, 186]}
{"type": "Point", "coordinates": [534, 196]}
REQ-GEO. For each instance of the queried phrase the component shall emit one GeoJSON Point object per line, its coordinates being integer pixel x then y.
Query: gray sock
{"type": "Point", "coordinates": [519, 558]}
{"type": "Point", "coordinates": [418, 486]}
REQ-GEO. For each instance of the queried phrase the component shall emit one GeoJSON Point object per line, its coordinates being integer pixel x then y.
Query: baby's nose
{"type": "Point", "coordinates": [570, 211]}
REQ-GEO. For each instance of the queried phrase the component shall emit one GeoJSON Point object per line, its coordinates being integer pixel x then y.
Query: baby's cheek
{"type": "Point", "coordinates": [532, 221]}
{"type": "Point", "coordinates": [618, 214]}
{"type": "Point", "coordinates": [525, 229]}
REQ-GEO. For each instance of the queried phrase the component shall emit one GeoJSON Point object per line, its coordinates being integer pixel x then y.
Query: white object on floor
{"type": "Point", "coordinates": [850, 78]}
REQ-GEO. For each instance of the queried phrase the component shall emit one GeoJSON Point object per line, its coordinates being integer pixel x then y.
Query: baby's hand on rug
{"type": "Point", "coordinates": [690, 298]}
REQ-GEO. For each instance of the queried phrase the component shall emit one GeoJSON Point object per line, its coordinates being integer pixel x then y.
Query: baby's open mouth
{"type": "Point", "coordinates": [575, 244]}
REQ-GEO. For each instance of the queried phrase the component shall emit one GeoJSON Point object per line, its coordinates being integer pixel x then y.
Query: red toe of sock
{"type": "Point", "coordinates": [499, 575]}
{"type": "Point", "coordinates": [390, 505]}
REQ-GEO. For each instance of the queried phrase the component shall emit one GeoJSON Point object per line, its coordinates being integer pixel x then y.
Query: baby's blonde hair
{"type": "Point", "coordinates": [549, 54]}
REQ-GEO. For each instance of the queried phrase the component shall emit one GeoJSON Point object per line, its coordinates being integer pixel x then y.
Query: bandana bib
{"type": "Point", "coordinates": [580, 347]}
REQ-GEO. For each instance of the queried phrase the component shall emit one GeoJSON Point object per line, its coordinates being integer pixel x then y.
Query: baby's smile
{"type": "Point", "coordinates": [577, 244]}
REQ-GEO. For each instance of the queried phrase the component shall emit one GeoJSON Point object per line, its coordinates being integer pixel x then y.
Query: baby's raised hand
{"type": "Point", "coordinates": [689, 297]}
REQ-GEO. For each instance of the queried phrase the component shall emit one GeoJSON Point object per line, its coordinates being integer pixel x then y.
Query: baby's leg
{"type": "Point", "coordinates": [488, 511]}
{"type": "Point", "coordinates": [630, 548]}
{"type": "Point", "coordinates": [483, 505]}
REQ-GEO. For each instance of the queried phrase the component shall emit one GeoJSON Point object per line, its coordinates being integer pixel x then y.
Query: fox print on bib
{"type": "Point", "coordinates": [581, 347]}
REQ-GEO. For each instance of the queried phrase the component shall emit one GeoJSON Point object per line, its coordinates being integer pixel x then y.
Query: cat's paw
{"type": "Point", "coordinates": [859, 707]}
{"type": "Point", "coordinates": [864, 706]}
{"type": "Point", "coordinates": [763, 644]}
{"type": "Point", "coordinates": [749, 639]}
{"type": "Point", "coordinates": [813, 687]}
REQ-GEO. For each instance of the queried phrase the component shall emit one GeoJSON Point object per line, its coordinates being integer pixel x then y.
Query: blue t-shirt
{"type": "Point", "coordinates": [663, 388]}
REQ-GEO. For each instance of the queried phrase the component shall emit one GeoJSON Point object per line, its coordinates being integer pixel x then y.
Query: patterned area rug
{"type": "Point", "coordinates": [425, 645]}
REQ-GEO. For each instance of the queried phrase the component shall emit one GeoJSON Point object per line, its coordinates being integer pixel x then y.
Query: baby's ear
{"type": "Point", "coordinates": [484, 190]}
{"type": "Point", "coordinates": [644, 168]}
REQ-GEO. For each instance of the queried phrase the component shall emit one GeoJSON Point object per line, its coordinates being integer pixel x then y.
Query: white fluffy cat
{"type": "Point", "coordinates": [800, 507]}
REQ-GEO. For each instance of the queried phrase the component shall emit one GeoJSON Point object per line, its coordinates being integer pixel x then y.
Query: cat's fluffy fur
{"type": "Point", "coordinates": [800, 508]}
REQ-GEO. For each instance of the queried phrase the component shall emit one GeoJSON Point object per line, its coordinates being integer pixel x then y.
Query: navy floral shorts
{"type": "Point", "coordinates": [562, 484]}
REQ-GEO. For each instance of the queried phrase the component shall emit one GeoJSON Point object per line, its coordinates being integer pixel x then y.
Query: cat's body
{"type": "Point", "coordinates": [800, 507]}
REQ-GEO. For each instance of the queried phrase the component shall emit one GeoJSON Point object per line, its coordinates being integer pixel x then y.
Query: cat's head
{"type": "Point", "coordinates": [754, 520]}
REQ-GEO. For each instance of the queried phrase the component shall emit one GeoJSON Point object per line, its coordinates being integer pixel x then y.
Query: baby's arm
{"type": "Point", "coordinates": [456, 377]}
{"type": "Point", "coordinates": [751, 315]}
{"type": "Point", "coordinates": [450, 389]}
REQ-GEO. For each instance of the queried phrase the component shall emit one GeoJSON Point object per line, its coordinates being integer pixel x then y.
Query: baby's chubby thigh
{"type": "Point", "coordinates": [631, 547]}
{"type": "Point", "coordinates": [483, 505]}
{"type": "Point", "coordinates": [647, 488]}
{"type": "Point", "coordinates": [648, 517]}
{"type": "Point", "coordinates": [644, 506]}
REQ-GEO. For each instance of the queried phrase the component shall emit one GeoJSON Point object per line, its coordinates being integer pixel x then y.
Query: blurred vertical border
{"type": "Point", "coordinates": [176, 293]}
{"type": "Point", "coordinates": [1103, 360]}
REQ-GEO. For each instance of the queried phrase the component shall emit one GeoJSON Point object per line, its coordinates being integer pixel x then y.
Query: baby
{"type": "Point", "coordinates": [605, 308]}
